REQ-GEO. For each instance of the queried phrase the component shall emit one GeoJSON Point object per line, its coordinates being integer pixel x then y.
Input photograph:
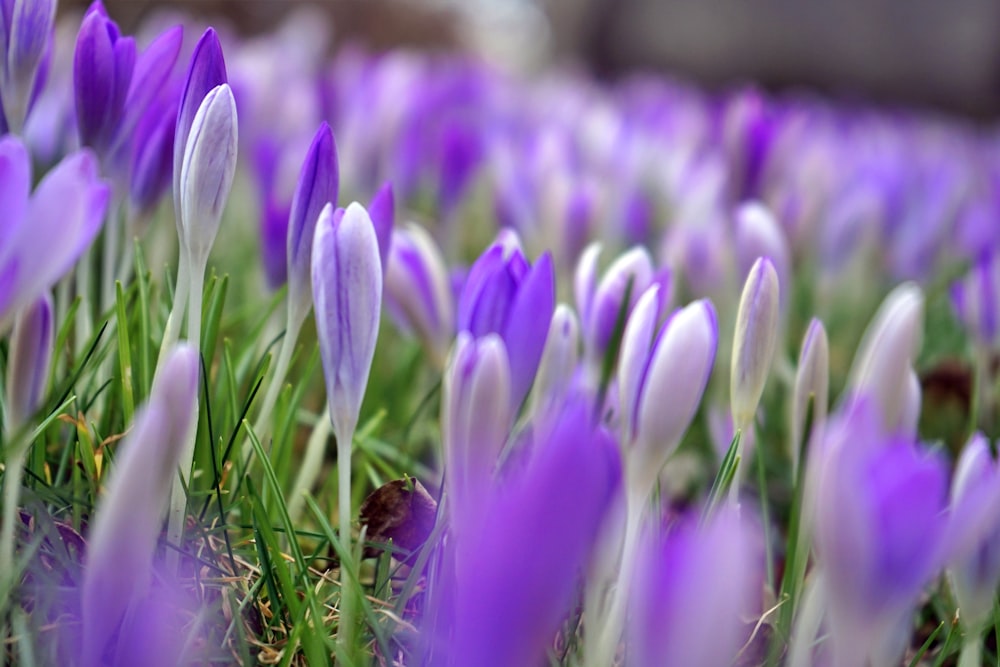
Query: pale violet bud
{"type": "Point", "coordinates": [129, 516]}
{"type": "Point", "coordinates": [585, 278]}
{"type": "Point", "coordinates": [418, 291]}
{"type": "Point", "coordinates": [559, 363]}
{"type": "Point", "coordinates": [475, 412]}
{"type": "Point", "coordinates": [347, 300]}
{"type": "Point", "coordinates": [975, 496]}
{"type": "Point", "coordinates": [207, 171]}
{"type": "Point", "coordinates": [670, 390]}
{"type": "Point", "coordinates": [754, 342]}
{"type": "Point", "coordinates": [887, 352]}
{"type": "Point", "coordinates": [812, 381]}
{"type": "Point", "coordinates": [28, 361]}
{"type": "Point", "coordinates": [758, 234]}
{"type": "Point", "coordinates": [26, 30]}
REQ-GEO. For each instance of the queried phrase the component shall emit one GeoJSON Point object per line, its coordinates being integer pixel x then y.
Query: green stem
{"type": "Point", "coordinates": [345, 628]}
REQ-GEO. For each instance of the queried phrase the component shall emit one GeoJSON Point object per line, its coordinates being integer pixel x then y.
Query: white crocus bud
{"type": "Point", "coordinates": [754, 342]}
{"type": "Point", "coordinates": [887, 352]}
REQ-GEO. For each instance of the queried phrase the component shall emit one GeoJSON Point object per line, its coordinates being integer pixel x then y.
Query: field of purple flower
{"type": "Point", "coordinates": [440, 365]}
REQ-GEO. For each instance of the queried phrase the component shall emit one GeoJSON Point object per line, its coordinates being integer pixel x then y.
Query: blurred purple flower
{"type": "Point", "coordinates": [518, 563]}
{"type": "Point", "coordinates": [695, 592]}
{"type": "Point", "coordinates": [25, 50]}
{"type": "Point", "coordinates": [977, 299]}
{"type": "Point", "coordinates": [880, 529]}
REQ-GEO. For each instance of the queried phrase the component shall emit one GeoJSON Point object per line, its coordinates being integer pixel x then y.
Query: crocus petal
{"type": "Point", "coordinates": [15, 184]}
{"type": "Point", "coordinates": [527, 324]}
{"type": "Point", "coordinates": [559, 362]}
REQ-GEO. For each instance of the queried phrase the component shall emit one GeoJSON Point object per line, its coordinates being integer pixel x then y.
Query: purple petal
{"type": "Point", "coordinates": [527, 325]}
{"type": "Point", "coordinates": [383, 212]}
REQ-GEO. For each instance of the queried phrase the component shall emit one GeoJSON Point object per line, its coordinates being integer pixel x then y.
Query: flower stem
{"type": "Point", "coordinates": [345, 628]}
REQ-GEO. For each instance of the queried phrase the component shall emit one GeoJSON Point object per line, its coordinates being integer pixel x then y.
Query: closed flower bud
{"type": "Point", "coordinates": [812, 382]}
{"type": "Point", "coordinates": [208, 170]}
{"type": "Point", "coordinates": [600, 306]}
{"type": "Point", "coordinates": [754, 342]}
{"type": "Point", "coordinates": [383, 212]}
{"type": "Point", "coordinates": [758, 234]}
{"type": "Point", "coordinates": [347, 300]}
{"type": "Point", "coordinates": [669, 390]}
{"type": "Point", "coordinates": [887, 352]}
{"type": "Point", "coordinates": [418, 290]}
{"type": "Point", "coordinates": [129, 517]}
{"type": "Point", "coordinates": [28, 361]}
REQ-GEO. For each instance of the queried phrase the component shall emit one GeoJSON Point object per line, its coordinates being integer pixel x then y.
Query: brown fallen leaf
{"type": "Point", "coordinates": [401, 511]}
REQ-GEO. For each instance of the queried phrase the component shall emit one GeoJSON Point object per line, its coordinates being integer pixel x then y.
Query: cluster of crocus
{"type": "Point", "coordinates": [593, 281]}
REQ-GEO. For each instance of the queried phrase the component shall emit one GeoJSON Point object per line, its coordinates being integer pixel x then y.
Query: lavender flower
{"type": "Point", "coordinates": [152, 156]}
{"type": "Point", "coordinates": [880, 525]}
{"type": "Point", "coordinates": [129, 517]}
{"type": "Point", "coordinates": [661, 384]}
{"type": "Point", "coordinates": [518, 563]}
{"type": "Point", "coordinates": [977, 299]}
{"type": "Point", "coordinates": [28, 361]}
{"type": "Point", "coordinates": [758, 234]}
{"type": "Point", "coordinates": [755, 340]}
{"type": "Point", "coordinates": [418, 289]}
{"type": "Point", "coordinates": [43, 236]}
{"type": "Point", "coordinates": [559, 363]}
{"type": "Point", "coordinates": [694, 591]}
{"type": "Point", "coordinates": [102, 72]}
{"type": "Point", "coordinates": [504, 294]}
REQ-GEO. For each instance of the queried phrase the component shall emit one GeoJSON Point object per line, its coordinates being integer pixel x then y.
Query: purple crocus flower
{"type": "Point", "coordinates": [42, 236]}
{"type": "Point", "coordinates": [347, 298]}
{"type": "Point", "coordinates": [812, 381]}
{"type": "Point", "coordinates": [880, 528]}
{"type": "Point", "coordinates": [317, 186]}
{"type": "Point", "coordinates": [518, 563]}
{"type": "Point", "coordinates": [129, 517]}
{"type": "Point", "coordinates": [25, 46]}
{"type": "Point", "coordinates": [102, 72]}
{"type": "Point", "coordinates": [504, 294]}
{"type": "Point", "coordinates": [28, 361]}
{"type": "Point", "coordinates": [694, 591]}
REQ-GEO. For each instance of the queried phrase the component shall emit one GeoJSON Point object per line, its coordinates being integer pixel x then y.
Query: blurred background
{"type": "Point", "coordinates": [944, 55]}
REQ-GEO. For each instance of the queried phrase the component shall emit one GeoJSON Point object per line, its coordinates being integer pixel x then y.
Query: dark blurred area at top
{"type": "Point", "coordinates": [928, 53]}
